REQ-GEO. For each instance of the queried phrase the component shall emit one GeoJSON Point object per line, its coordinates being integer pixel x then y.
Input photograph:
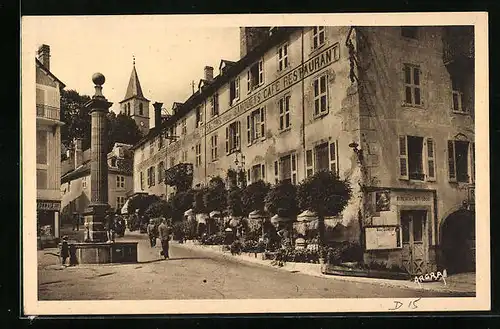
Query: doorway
{"type": "Point", "coordinates": [415, 242]}
{"type": "Point", "coordinates": [458, 242]}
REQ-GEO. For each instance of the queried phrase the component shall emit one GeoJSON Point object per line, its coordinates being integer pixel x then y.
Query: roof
{"type": "Point", "coordinates": [41, 66]}
{"type": "Point", "coordinates": [134, 89]}
{"type": "Point", "coordinates": [232, 71]}
{"type": "Point", "coordinates": [225, 62]}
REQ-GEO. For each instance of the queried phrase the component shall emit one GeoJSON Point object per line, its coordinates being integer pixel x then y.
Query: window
{"type": "Point", "coordinates": [214, 105]}
{"type": "Point", "coordinates": [286, 169]}
{"type": "Point", "coordinates": [284, 106]}
{"type": "Point", "coordinates": [255, 76]}
{"type": "Point", "coordinates": [409, 32]}
{"type": "Point", "coordinates": [41, 179]}
{"type": "Point", "coordinates": [324, 158]}
{"type": "Point", "coordinates": [412, 85]}
{"type": "Point", "coordinates": [142, 180]}
{"type": "Point", "coordinates": [411, 157]}
{"type": "Point", "coordinates": [320, 95]}
{"type": "Point", "coordinates": [113, 162]}
{"type": "Point", "coordinates": [184, 156]}
{"type": "Point", "coordinates": [183, 127]}
{"type": "Point", "coordinates": [161, 172]}
{"type": "Point", "coordinates": [141, 109]}
{"type": "Point", "coordinates": [233, 137]}
{"type": "Point", "coordinates": [120, 181]}
{"type": "Point", "coordinates": [318, 36]}
{"type": "Point", "coordinates": [257, 173]}
{"type": "Point", "coordinates": [171, 133]}
{"type": "Point", "coordinates": [160, 141]}
{"type": "Point", "coordinates": [199, 116]}
{"type": "Point", "coordinates": [457, 94]}
{"type": "Point", "coordinates": [283, 57]}
{"type": "Point", "coordinates": [120, 202]}
{"type": "Point", "coordinates": [256, 125]}
{"type": "Point", "coordinates": [213, 147]}
{"type": "Point", "coordinates": [151, 176]}
{"type": "Point", "coordinates": [459, 169]}
{"type": "Point", "coordinates": [84, 182]}
{"type": "Point", "coordinates": [41, 147]}
{"type": "Point", "coordinates": [198, 155]}
{"type": "Point", "coordinates": [234, 91]}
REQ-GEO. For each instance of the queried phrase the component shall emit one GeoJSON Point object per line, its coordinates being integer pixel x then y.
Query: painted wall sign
{"type": "Point", "coordinates": [309, 67]}
{"type": "Point", "coordinates": [382, 201]}
{"type": "Point", "coordinates": [413, 198]}
{"type": "Point", "coordinates": [382, 237]}
{"type": "Point", "coordinates": [48, 205]}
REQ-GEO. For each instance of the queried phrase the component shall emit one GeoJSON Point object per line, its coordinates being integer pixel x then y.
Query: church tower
{"type": "Point", "coordinates": [135, 104]}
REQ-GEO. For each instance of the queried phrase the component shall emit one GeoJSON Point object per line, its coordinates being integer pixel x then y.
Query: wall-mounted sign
{"type": "Point", "coordinates": [48, 205]}
{"type": "Point", "coordinates": [413, 198]}
{"type": "Point", "coordinates": [382, 237]}
{"type": "Point", "coordinates": [382, 201]}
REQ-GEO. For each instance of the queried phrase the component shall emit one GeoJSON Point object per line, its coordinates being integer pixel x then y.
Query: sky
{"type": "Point", "coordinates": [168, 56]}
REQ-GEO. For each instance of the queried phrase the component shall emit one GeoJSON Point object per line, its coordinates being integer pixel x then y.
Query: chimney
{"type": "Point", "coordinates": [209, 73]}
{"type": "Point", "coordinates": [250, 37]}
{"type": "Point", "coordinates": [44, 56]}
{"type": "Point", "coordinates": [77, 144]}
{"type": "Point", "coordinates": [157, 107]}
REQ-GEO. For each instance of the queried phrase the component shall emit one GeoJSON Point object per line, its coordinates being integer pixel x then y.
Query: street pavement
{"type": "Point", "coordinates": [194, 274]}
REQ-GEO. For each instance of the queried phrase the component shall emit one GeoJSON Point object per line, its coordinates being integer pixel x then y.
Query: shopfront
{"type": "Point", "coordinates": [401, 230]}
{"type": "Point", "coordinates": [48, 223]}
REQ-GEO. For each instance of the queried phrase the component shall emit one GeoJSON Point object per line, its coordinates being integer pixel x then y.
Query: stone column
{"type": "Point", "coordinates": [94, 215]}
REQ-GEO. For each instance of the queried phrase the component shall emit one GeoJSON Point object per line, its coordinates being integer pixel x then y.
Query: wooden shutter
{"type": "Point", "coordinates": [248, 175]}
{"type": "Point", "coordinates": [263, 171]}
{"type": "Point", "coordinates": [452, 174]}
{"type": "Point", "coordinates": [262, 122]}
{"type": "Point", "coordinates": [238, 139]}
{"type": "Point", "coordinates": [309, 163]}
{"type": "Point", "coordinates": [333, 158]}
{"type": "Point", "coordinates": [294, 168]}
{"type": "Point", "coordinates": [431, 163]}
{"type": "Point", "coordinates": [403, 158]}
{"type": "Point", "coordinates": [261, 71]}
{"type": "Point", "coordinates": [227, 140]}
{"type": "Point", "coordinates": [249, 132]}
{"type": "Point", "coordinates": [276, 172]}
{"type": "Point", "coordinates": [249, 85]}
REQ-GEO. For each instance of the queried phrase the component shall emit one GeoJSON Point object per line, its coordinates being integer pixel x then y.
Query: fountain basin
{"type": "Point", "coordinates": [104, 252]}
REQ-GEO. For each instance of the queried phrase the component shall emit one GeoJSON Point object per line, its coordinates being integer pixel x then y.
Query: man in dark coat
{"type": "Point", "coordinates": [164, 231]}
{"type": "Point", "coordinates": [152, 233]}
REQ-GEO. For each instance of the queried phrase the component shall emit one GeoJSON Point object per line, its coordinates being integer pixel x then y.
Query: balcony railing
{"type": "Point", "coordinates": [46, 111]}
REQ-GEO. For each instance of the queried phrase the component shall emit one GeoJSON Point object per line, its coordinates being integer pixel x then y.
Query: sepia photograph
{"type": "Point", "coordinates": [255, 163]}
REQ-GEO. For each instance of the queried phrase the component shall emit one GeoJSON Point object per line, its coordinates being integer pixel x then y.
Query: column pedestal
{"type": "Point", "coordinates": [94, 223]}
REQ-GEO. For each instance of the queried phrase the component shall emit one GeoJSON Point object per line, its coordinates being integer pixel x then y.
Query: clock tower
{"type": "Point", "coordinates": [134, 104]}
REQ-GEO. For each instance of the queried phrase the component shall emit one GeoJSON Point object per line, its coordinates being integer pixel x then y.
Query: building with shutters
{"type": "Point", "coordinates": [48, 146]}
{"type": "Point", "coordinates": [75, 180]}
{"type": "Point", "coordinates": [390, 109]}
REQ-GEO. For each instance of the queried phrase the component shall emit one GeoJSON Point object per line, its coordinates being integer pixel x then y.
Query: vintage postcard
{"type": "Point", "coordinates": [200, 164]}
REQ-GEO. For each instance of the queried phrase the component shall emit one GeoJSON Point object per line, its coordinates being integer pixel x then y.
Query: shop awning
{"type": "Point", "coordinates": [279, 219]}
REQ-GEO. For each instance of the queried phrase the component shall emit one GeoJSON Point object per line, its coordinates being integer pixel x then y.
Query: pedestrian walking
{"type": "Point", "coordinates": [64, 250]}
{"type": "Point", "coordinates": [164, 231]}
{"type": "Point", "coordinates": [152, 234]}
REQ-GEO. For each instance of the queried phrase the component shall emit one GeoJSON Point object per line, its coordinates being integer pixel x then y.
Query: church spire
{"type": "Point", "coordinates": [134, 89]}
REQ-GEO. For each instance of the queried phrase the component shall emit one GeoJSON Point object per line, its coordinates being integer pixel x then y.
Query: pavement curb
{"type": "Point", "coordinates": [297, 268]}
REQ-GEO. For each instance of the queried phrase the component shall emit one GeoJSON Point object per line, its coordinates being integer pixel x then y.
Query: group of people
{"type": "Point", "coordinates": [162, 232]}
{"type": "Point", "coordinates": [114, 224]}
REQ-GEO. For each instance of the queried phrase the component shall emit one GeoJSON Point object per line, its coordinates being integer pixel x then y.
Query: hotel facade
{"type": "Point", "coordinates": [48, 146]}
{"type": "Point", "coordinates": [390, 109]}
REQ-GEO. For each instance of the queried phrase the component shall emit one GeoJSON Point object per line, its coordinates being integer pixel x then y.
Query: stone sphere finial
{"type": "Point", "coordinates": [98, 79]}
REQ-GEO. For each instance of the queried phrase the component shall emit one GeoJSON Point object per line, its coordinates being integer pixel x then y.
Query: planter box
{"type": "Point", "coordinates": [346, 271]}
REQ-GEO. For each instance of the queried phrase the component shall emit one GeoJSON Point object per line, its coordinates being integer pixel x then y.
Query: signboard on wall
{"type": "Point", "coordinates": [382, 237]}
{"type": "Point", "coordinates": [48, 205]}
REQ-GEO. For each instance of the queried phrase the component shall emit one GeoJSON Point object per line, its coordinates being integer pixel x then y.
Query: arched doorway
{"type": "Point", "coordinates": [458, 242]}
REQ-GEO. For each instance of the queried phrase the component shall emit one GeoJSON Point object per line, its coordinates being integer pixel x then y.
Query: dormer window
{"type": "Point", "coordinates": [141, 109]}
{"type": "Point", "coordinates": [113, 162]}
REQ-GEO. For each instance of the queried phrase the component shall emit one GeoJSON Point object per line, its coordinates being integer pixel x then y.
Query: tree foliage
{"type": "Point", "coordinates": [181, 202]}
{"type": "Point", "coordinates": [215, 197]}
{"type": "Point", "coordinates": [158, 209]}
{"type": "Point", "coordinates": [253, 196]}
{"type": "Point", "coordinates": [77, 119]}
{"type": "Point", "coordinates": [198, 202]}
{"type": "Point", "coordinates": [282, 199]}
{"type": "Point", "coordinates": [180, 176]}
{"type": "Point", "coordinates": [325, 194]}
{"type": "Point", "coordinates": [234, 203]}
{"type": "Point", "coordinates": [141, 202]}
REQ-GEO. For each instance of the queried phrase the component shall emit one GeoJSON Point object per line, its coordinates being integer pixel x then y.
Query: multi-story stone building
{"type": "Point", "coordinates": [48, 145]}
{"type": "Point", "coordinates": [390, 109]}
{"type": "Point", "coordinates": [76, 184]}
